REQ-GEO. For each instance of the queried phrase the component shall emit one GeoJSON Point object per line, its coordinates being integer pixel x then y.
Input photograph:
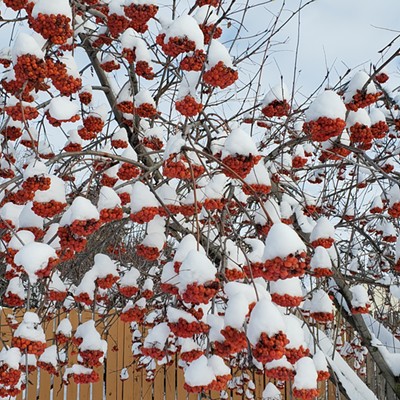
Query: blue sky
{"type": "Point", "coordinates": [339, 34]}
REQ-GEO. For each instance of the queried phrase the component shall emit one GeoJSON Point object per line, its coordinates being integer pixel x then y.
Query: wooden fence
{"type": "Point", "coordinates": [167, 385]}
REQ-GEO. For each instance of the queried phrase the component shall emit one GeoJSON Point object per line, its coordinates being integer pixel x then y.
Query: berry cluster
{"type": "Point", "coordinates": [128, 291]}
{"type": "Point", "coordinates": [286, 300]}
{"type": "Point", "coordinates": [277, 108]}
{"type": "Point", "coordinates": [305, 394]}
{"type": "Point", "coordinates": [270, 348]}
{"type": "Point", "coordinates": [56, 28]}
{"type": "Point", "coordinates": [152, 143]}
{"type": "Point", "coordinates": [324, 128]}
{"type": "Point", "coordinates": [194, 61]}
{"type": "Point", "coordinates": [30, 346]}
{"type": "Point", "coordinates": [91, 358]}
{"type": "Point", "coordinates": [146, 214]}
{"type": "Point", "coordinates": [48, 209]}
{"type": "Point", "coordinates": [185, 329]}
{"type": "Point", "coordinates": [139, 15]}
{"type": "Point", "coordinates": [200, 294]}
{"type": "Point", "coordinates": [362, 100]}
{"type": "Point", "coordinates": [148, 253]}
{"type": "Point", "coordinates": [177, 166]}
{"type": "Point", "coordinates": [134, 314]}
{"type": "Point", "coordinates": [281, 373]}
{"type": "Point", "coordinates": [220, 76]}
{"type": "Point", "coordinates": [210, 31]}
{"type": "Point", "coordinates": [239, 165]}
{"type": "Point", "coordinates": [188, 106]}
{"type": "Point", "coordinates": [175, 45]}
{"type": "Point", "coordinates": [322, 317]}
{"type": "Point", "coordinates": [293, 355]}
{"type": "Point", "coordinates": [127, 171]}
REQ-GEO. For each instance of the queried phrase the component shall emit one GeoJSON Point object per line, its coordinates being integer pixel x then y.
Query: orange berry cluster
{"type": "Point", "coordinates": [125, 107]}
{"type": "Point", "coordinates": [361, 310]}
{"type": "Point", "coordinates": [322, 317]}
{"type": "Point", "coordinates": [62, 339]}
{"type": "Point", "coordinates": [153, 352]}
{"type": "Point", "coordinates": [107, 282]}
{"type": "Point", "coordinates": [83, 298]}
{"type": "Point", "coordinates": [305, 394]}
{"type": "Point", "coordinates": [140, 15]}
{"type": "Point", "coordinates": [69, 240]}
{"type": "Point", "coordinates": [381, 77]}
{"type": "Point", "coordinates": [144, 70]}
{"type": "Point", "coordinates": [213, 3]}
{"type": "Point", "coordinates": [188, 106]}
{"type": "Point", "coordinates": [93, 377]}
{"type": "Point", "coordinates": [193, 62]}
{"type": "Point", "coordinates": [86, 134]}
{"type": "Point", "coordinates": [195, 389]}
{"type": "Point", "coordinates": [30, 68]}
{"type": "Point", "coordinates": [73, 148]}
{"type": "Point", "coordinates": [362, 100]}
{"type": "Point", "coordinates": [57, 122]}
{"type": "Point", "coordinates": [145, 110]}
{"type": "Point", "coordinates": [12, 300]}
{"type": "Point", "coordinates": [324, 128]}
{"type": "Point", "coordinates": [55, 295]}
{"type": "Point", "coordinates": [11, 133]}
{"type": "Point", "coordinates": [49, 368]}
{"type": "Point", "coordinates": [119, 144]}
{"type": "Point", "coordinates": [281, 373]}
{"type": "Point", "coordinates": [36, 182]}
{"type": "Point", "coordinates": [177, 167]}
{"type": "Point", "coordinates": [110, 66]}
{"type": "Point", "coordinates": [210, 32]}
{"type": "Point", "coordinates": [134, 314]}
{"type": "Point", "coordinates": [213, 204]}
{"type": "Point", "coordinates": [93, 124]}
{"type": "Point", "coordinates": [146, 214]}
{"type": "Point", "coordinates": [153, 143]}
{"type": "Point", "coordinates": [200, 294]}
{"type": "Point", "coordinates": [85, 98]}
{"type": "Point", "coordinates": [299, 162]}
{"type": "Point", "coordinates": [20, 112]}
{"type": "Point", "coordinates": [277, 108]}
{"type": "Point", "coordinates": [56, 28]}
{"type": "Point", "coordinates": [9, 376]}
{"type": "Point", "coordinates": [168, 288]}
{"type": "Point", "coordinates": [46, 271]}
{"type": "Point", "coordinates": [148, 253]}
{"type": "Point", "coordinates": [84, 227]}
{"type": "Point", "coordinates": [189, 210]}
{"type": "Point", "coordinates": [323, 375]}
{"type": "Point", "coordinates": [282, 268]}
{"type": "Point", "coordinates": [270, 348]}
{"type": "Point", "coordinates": [6, 173]}
{"type": "Point", "coordinates": [16, 5]}
{"type": "Point", "coordinates": [111, 214]}
{"type": "Point", "coordinates": [324, 242]}
{"type": "Point", "coordinates": [117, 24]}
{"type": "Point", "coordinates": [30, 346]}
{"type": "Point", "coordinates": [109, 181]}
{"type": "Point", "coordinates": [91, 358]}
{"type": "Point", "coordinates": [286, 300]}
{"type": "Point", "coordinates": [360, 133]}
{"type": "Point", "coordinates": [185, 329]}
{"type": "Point", "coordinates": [235, 341]}
{"type": "Point", "coordinates": [256, 189]}
{"type": "Point", "coordinates": [394, 210]}
{"type": "Point", "coordinates": [293, 355]}
{"type": "Point", "coordinates": [234, 274]}
{"type": "Point", "coordinates": [128, 291]}
{"type": "Point", "coordinates": [322, 272]}
{"type": "Point", "coordinates": [379, 129]}
{"type": "Point", "coordinates": [176, 45]}
{"type": "Point", "coordinates": [189, 356]}
{"type": "Point", "coordinates": [240, 165]}
{"type": "Point", "coordinates": [127, 172]}
{"type": "Point", "coordinates": [220, 76]}
{"type": "Point", "coordinates": [220, 382]}
{"type": "Point", "coordinates": [48, 209]}
{"type": "Point", "coordinates": [125, 197]}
